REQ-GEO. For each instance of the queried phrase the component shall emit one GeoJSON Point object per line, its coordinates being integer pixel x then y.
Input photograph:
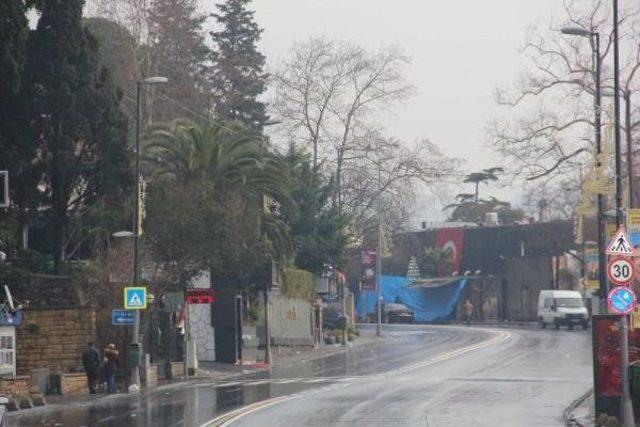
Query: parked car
{"type": "Point", "coordinates": [559, 308]}
{"type": "Point", "coordinates": [396, 313]}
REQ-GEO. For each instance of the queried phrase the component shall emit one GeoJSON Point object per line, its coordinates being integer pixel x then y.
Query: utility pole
{"type": "Point", "coordinates": [626, 407]}
{"type": "Point", "coordinates": [627, 103]}
{"type": "Point", "coordinates": [135, 337]}
{"type": "Point", "coordinates": [379, 254]}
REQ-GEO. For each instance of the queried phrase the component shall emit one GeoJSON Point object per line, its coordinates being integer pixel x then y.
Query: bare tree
{"type": "Point", "coordinates": [548, 130]}
{"type": "Point", "coordinates": [329, 93]}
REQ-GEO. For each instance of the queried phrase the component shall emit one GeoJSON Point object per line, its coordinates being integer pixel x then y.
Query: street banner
{"type": "Point", "coordinates": [368, 268]}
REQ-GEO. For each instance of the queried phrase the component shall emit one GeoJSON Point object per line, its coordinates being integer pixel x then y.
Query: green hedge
{"type": "Point", "coordinates": [298, 284]}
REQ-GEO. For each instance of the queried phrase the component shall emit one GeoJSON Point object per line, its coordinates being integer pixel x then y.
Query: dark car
{"type": "Point", "coordinates": [396, 313]}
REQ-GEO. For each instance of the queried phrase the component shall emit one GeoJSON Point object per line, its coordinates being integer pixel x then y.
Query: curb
{"type": "Point", "coordinates": [567, 416]}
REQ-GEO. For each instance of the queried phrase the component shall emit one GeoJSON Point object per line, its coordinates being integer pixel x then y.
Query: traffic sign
{"type": "Point", "coordinates": [135, 298]}
{"type": "Point", "coordinates": [200, 296]}
{"type": "Point", "coordinates": [122, 317]}
{"type": "Point", "coordinates": [621, 270]}
{"type": "Point", "coordinates": [620, 244]}
{"type": "Point", "coordinates": [622, 300]}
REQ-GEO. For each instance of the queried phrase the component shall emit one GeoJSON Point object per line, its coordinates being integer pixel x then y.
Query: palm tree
{"type": "Point", "coordinates": [228, 160]}
{"type": "Point", "coordinates": [485, 176]}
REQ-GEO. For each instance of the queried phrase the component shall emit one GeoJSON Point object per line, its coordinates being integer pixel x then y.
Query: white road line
{"type": "Point", "coordinates": [229, 418]}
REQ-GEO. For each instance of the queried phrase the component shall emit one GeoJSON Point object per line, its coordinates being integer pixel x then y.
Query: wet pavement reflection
{"type": "Point", "coordinates": [196, 403]}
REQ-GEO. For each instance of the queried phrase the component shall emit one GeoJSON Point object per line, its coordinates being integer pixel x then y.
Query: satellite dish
{"type": "Point", "coordinates": [7, 292]}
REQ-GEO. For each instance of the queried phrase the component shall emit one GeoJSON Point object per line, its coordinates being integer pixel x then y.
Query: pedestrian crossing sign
{"type": "Point", "coordinates": [620, 244]}
{"type": "Point", "coordinates": [135, 298]}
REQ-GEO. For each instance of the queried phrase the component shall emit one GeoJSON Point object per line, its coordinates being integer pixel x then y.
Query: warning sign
{"type": "Point", "coordinates": [620, 244]}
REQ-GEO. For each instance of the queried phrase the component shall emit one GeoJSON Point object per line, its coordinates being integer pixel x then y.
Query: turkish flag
{"type": "Point", "coordinates": [451, 239]}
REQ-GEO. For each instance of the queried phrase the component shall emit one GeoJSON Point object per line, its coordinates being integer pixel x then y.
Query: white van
{"type": "Point", "coordinates": [562, 308]}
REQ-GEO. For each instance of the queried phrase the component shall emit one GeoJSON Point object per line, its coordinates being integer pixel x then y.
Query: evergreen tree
{"type": "Point", "coordinates": [81, 131]}
{"type": "Point", "coordinates": [17, 147]}
{"type": "Point", "coordinates": [179, 53]}
{"type": "Point", "coordinates": [238, 78]}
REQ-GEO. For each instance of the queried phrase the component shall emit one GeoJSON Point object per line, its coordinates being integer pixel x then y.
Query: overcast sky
{"type": "Point", "coordinates": [461, 50]}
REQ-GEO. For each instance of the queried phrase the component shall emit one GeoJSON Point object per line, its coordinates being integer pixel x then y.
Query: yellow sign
{"type": "Point", "coordinates": [636, 318]}
{"type": "Point", "coordinates": [633, 219]}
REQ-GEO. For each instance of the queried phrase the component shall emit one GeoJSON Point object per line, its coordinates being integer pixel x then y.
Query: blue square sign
{"type": "Point", "coordinates": [135, 298]}
{"type": "Point", "coordinates": [122, 317]}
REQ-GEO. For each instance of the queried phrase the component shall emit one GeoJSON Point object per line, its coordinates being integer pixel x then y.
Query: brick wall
{"type": "Point", "coordinates": [54, 338]}
{"type": "Point", "coordinates": [74, 383]}
{"type": "Point", "coordinates": [13, 387]}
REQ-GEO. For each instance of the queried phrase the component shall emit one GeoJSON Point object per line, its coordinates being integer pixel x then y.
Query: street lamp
{"type": "Point", "coordinates": [594, 37]}
{"type": "Point", "coordinates": [378, 163]}
{"type": "Point", "coordinates": [135, 338]}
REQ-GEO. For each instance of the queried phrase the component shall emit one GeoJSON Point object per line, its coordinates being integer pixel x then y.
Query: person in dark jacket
{"type": "Point", "coordinates": [91, 363]}
{"type": "Point", "coordinates": [110, 366]}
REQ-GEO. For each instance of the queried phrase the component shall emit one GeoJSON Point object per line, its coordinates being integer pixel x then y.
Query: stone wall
{"type": "Point", "coordinates": [74, 383]}
{"type": "Point", "coordinates": [200, 323]}
{"type": "Point", "coordinates": [14, 387]}
{"type": "Point", "coordinates": [54, 339]}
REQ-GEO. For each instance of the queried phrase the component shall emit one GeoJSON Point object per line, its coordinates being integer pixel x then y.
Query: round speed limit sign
{"type": "Point", "coordinates": [621, 271]}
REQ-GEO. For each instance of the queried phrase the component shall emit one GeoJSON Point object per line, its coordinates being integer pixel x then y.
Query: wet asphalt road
{"type": "Point", "coordinates": [422, 376]}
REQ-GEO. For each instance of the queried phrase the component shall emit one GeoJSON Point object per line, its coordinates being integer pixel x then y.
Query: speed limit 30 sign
{"type": "Point", "coordinates": [621, 270]}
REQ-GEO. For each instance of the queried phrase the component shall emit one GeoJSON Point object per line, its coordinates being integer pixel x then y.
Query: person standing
{"type": "Point", "coordinates": [468, 312]}
{"type": "Point", "coordinates": [111, 362]}
{"type": "Point", "coordinates": [91, 363]}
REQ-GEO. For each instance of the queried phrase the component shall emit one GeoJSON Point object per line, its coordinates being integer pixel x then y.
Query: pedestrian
{"type": "Point", "coordinates": [91, 363]}
{"type": "Point", "coordinates": [110, 366]}
{"type": "Point", "coordinates": [468, 311]}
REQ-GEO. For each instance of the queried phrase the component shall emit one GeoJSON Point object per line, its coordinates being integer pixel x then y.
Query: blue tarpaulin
{"type": "Point", "coordinates": [429, 303]}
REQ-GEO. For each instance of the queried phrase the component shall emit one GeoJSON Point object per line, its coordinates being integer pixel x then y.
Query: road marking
{"type": "Point", "coordinates": [226, 420]}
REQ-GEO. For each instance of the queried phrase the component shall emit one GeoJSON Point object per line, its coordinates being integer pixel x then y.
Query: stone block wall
{"type": "Point", "coordinates": [54, 339]}
{"type": "Point", "coordinates": [74, 383]}
{"type": "Point", "coordinates": [14, 387]}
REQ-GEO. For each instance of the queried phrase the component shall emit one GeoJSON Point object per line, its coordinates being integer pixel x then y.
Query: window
{"type": "Point", "coordinates": [547, 302]}
{"type": "Point", "coordinates": [7, 352]}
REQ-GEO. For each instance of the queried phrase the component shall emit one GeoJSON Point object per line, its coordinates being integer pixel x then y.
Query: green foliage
{"type": "Point", "coordinates": [82, 133]}
{"type": "Point", "coordinates": [238, 78]}
{"type": "Point", "coordinates": [178, 52]}
{"type": "Point", "coordinates": [204, 199]}
{"type": "Point", "coordinates": [17, 149]}
{"type": "Point", "coordinates": [435, 262]}
{"type": "Point", "coordinates": [470, 208]}
{"type": "Point", "coordinates": [318, 229]}
{"type": "Point", "coordinates": [298, 284]}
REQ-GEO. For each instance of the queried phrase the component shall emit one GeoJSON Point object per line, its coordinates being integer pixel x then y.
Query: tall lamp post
{"type": "Point", "coordinates": [135, 337]}
{"type": "Point", "coordinates": [594, 37]}
{"type": "Point", "coordinates": [378, 163]}
{"type": "Point", "coordinates": [627, 103]}
{"type": "Point", "coordinates": [626, 407]}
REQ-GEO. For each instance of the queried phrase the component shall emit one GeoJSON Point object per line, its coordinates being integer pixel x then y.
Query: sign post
{"type": "Point", "coordinates": [622, 300]}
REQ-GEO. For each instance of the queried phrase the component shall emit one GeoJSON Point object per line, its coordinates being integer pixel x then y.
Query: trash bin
{"type": "Point", "coordinates": [634, 385]}
{"type": "Point", "coordinates": [134, 355]}
{"type": "Point", "coordinates": [41, 379]}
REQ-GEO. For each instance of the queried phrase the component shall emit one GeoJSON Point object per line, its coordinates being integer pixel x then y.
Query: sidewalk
{"type": "Point", "coordinates": [212, 371]}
